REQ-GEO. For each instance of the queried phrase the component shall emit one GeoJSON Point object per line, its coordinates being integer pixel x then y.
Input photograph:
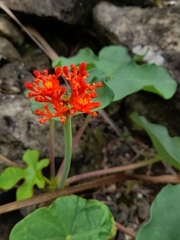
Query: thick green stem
{"type": "Point", "coordinates": [51, 148]}
{"type": "Point", "coordinates": [68, 152]}
{"type": "Point", "coordinates": [74, 143]}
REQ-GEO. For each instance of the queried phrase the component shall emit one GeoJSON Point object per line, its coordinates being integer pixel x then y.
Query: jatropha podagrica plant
{"type": "Point", "coordinates": [63, 102]}
{"type": "Point", "coordinates": [46, 88]}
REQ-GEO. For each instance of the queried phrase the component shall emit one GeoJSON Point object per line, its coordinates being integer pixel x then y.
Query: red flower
{"type": "Point", "coordinates": [82, 92]}
{"type": "Point", "coordinates": [84, 104]}
{"type": "Point", "coordinates": [46, 88]}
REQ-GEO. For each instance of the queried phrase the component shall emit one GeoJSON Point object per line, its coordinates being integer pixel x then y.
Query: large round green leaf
{"type": "Point", "coordinates": [164, 223]}
{"type": "Point", "coordinates": [68, 218]}
{"type": "Point", "coordinates": [123, 75]}
{"type": "Point", "coordinates": [84, 55]}
{"type": "Point", "coordinates": [126, 77]}
{"type": "Point", "coordinates": [168, 148]}
{"type": "Point", "coordinates": [105, 94]}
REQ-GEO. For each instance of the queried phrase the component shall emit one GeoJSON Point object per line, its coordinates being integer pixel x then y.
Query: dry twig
{"type": "Point", "coordinates": [67, 191]}
{"type": "Point", "coordinates": [8, 161]}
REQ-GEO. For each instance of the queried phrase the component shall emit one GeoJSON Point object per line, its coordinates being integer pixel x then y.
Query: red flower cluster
{"type": "Point", "coordinates": [46, 88]}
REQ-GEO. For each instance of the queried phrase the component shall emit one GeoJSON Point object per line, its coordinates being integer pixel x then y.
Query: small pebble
{"type": "Point", "coordinates": [139, 196]}
{"type": "Point", "coordinates": [143, 210]}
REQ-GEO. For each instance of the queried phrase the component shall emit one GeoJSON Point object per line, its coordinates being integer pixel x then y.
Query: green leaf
{"type": "Point", "coordinates": [126, 77]}
{"type": "Point", "coordinates": [164, 217]}
{"type": "Point", "coordinates": [84, 55]}
{"type": "Point", "coordinates": [168, 148]}
{"type": "Point", "coordinates": [32, 175]}
{"type": "Point", "coordinates": [123, 75]}
{"type": "Point", "coordinates": [105, 94]}
{"type": "Point", "coordinates": [68, 218]}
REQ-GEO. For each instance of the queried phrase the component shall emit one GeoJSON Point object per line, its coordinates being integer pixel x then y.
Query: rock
{"type": "Point", "coordinates": [149, 55]}
{"type": "Point", "coordinates": [8, 51]}
{"type": "Point", "coordinates": [9, 30]}
{"type": "Point", "coordinates": [143, 210]}
{"type": "Point", "coordinates": [69, 11]}
{"type": "Point", "coordinates": [12, 78]}
{"type": "Point", "coordinates": [156, 28]}
{"type": "Point", "coordinates": [142, 3]}
{"type": "Point", "coordinates": [122, 216]}
{"type": "Point", "coordinates": [20, 129]}
{"type": "Point", "coordinates": [33, 58]}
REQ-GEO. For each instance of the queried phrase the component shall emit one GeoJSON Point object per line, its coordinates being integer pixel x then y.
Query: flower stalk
{"type": "Point", "coordinates": [68, 153]}
{"type": "Point", "coordinates": [51, 148]}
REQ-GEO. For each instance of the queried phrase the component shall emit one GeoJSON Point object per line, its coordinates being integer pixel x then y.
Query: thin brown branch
{"type": "Point", "coordinates": [70, 190]}
{"type": "Point", "coordinates": [157, 179]}
{"type": "Point", "coordinates": [51, 53]}
{"type": "Point", "coordinates": [110, 122]}
{"type": "Point", "coordinates": [125, 230]}
{"type": "Point", "coordinates": [7, 161]}
{"type": "Point", "coordinates": [96, 173]}
{"type": "Point", "coordinates": [10, 13]}
{"type": "Point", "coordinates": [80, 131]}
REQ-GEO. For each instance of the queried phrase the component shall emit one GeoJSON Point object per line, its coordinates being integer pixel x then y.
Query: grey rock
{"type": "Point", "coordinates": [69, 11]}
{"type": "Point", "coordinates": [9, 30]}
{"type": "Point", "coordinates": [143, 210]}
{"type": "Point", "coordinates": [143, 3]}
{"type": "Point", "coordinates": [12, 78]}
{"type": "Point", "coordinates": [122, 216]}
{"type": "Point", "coordinates": [21, 130]}
{"type": "Point", "coordinates": [33, 58]}
{"type": "Point", "coordinates": [155, 27]}
{"type": "Point", "coordinates": [8, 51]}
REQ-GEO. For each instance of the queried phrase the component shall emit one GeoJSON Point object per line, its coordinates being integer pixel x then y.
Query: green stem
{"type": "Point", "coordinates": [74, 142]}
{"type": "Point", "coordinates": [68, 152]}
{"type": "Point", "coordinates": [101, 172]}
{"type": "Point", "coordinates": [51, 148]}
{"type": "Point", "coordinates": [47, 181]}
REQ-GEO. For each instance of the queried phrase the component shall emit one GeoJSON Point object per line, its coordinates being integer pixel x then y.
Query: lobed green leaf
{"type": "Point", "coordinates": [31, 175]}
